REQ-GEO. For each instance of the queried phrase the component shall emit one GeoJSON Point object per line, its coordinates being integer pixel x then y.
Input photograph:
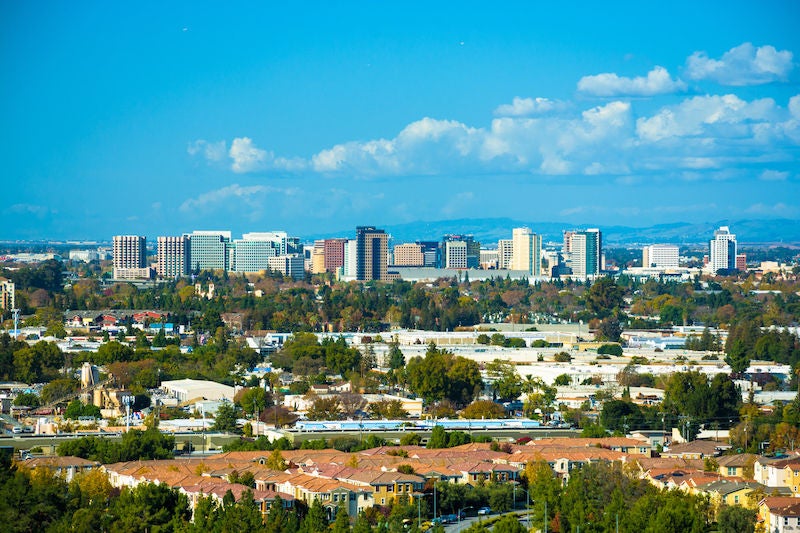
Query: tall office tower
{"type": "Point", "coordinates": [350, 266]}
{"type": "Point", "coordinates": [431, 253]}
{"type": "Point", "coordinates": [130, 257]}
{"type": "Point", "coordinates": [408, 255]}
{"type": "Point", "coordinates": [252, 253]}
{"type": "Point", "coordinates": [130, 251]}
{"type": "Point", "coordinates": [279, 240]}
{"type": "Point", "coordinates": [527, 251]}
{"type": "Point", "coordinates": [372, 251]}
{"type": "Point", "coordinates": [334, 254]}
{"type": "Point", "coordinates": [566, 249]}
{"type": "Point", "coordinates": [455, 254]}
{"type": "Point", "coordinates": [173, 257]}
{"type": "Point", "coordinates": [7, 294]}
{"type": "Point", "coordinates": [318, 257]}
{"type": "Point", "coordinates": [209, 250]}
{"type": "Point", "coordinates": [660, 256]}
{"type": "Point", "coordinates": [505, 253]}
{"type": "Point", "coordinates": [586, 252]}
{"type": "Point", "coordinates": [461, 251]}
{"type": "Point", "coordinates": [722, 250]}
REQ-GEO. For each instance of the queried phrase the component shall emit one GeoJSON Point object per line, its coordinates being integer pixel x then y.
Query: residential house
{"type": "Point", "coordinates": [738, 465]}
{"type": "Point", "coordinates": [696, 449]}
{"type": "Point", "coordinates": [779, 514]}
{"type": "Point", "coordinates": [66, 467]}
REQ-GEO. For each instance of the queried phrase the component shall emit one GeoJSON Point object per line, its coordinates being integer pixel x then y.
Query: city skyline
{"type": "Point", "coordinates": [321, 119]}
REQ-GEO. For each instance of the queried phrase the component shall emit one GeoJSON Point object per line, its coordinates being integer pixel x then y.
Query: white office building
{"type": "Point", "coordinates": [722, 250]}
{"type": "Point", "coordinates": [664, 256]}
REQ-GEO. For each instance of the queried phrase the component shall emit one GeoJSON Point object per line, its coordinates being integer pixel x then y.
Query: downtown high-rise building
{"type": "Point", "coordinates": [408, 254]}
{"type": "Point", "coordinates": [505, 253]}
{"type": "Point", "coordinates": [333, 250]}
{"type": "Point", "coordinates": [173, 257]}
{"type": "Point", "coordinates": [722, 250]}
{"type": "Point", "coordinates": [130, 251]}
{"type": "Point", "coordinates": [130, 257]}
{"type": "Point", "coordinates": [461, 252]}
{"type": "Point", "coordinates": [663, 256]}
{"type": "Point", "coordinates": [585, 252]}
{"type": "Point", "coordinates": [526, 251]}
{"type": "Point", "coordinates": [372, 254]}
{"type": "Point", "coordinates": [209, 250]}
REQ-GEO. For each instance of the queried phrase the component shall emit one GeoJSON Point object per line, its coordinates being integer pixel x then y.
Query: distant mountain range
{"type": "Point", "coordinates": [488, 230]}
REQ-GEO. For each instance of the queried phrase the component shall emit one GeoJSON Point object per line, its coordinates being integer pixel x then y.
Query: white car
{"type": "Point", "coordinates": [485, 510]}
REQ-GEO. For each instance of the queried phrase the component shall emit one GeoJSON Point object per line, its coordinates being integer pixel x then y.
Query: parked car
{"type": "Point", "coordinates": [485, 510]}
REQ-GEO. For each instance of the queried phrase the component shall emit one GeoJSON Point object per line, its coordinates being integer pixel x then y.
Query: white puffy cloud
{"type": "Point", "coordinates": [549, 145]}
{"type": "Point", "coordinates": [246, 157]}
{"type": "Point", "coordinates": [742, 65]}
{"type": "Point", "coordinates": [520, 107]}
{"type": "Point", "coordinates": [657, 81]}
{"type": "Point", "coordinates": [213, 151]}
{"type": "Point", "coordinates": [698, 138]}
{"type": "Point", "coordinates": [695, 116]}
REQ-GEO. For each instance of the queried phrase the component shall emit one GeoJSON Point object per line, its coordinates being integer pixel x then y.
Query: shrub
{"type": "Point", "coordinates": [610, 349]}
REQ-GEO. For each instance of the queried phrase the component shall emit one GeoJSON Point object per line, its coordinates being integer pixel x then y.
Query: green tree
{"type": "Point", "coordinates": [315, 521]}
{"type": "Point", "coordinates": [483, 409]}
{"type": "Point", "coordinates": [252, 400]}
{"type": "Point", "coordinates": [504, 379]}
{"type": "Point", "coordinates": [562, 380]}
{"type": "Point", "coordinates": [604, 297]}
{"type": "Point", "coordinates": [325, 408]}
{"type": "Point", "coordinates": [342, 522]}
{"type": "Point", "coordinates": [225, 418]}
{"type": "Point", "coordinates": [150, 507]}
{"type": "Point", "coordinates": [276, 461]}
{"type": "Point", "coordinates": [438, 438]}
{"type": "Point", "coordinates": [736, 519]}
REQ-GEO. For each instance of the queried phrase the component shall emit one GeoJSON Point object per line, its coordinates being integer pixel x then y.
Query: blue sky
{"type": "Point", "coordinates": [159, 118]}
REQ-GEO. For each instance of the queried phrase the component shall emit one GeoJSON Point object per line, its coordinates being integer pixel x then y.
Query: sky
{"type": "Point", "coordinates": [160, 118]}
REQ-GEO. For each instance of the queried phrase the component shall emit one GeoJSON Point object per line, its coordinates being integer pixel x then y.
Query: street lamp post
{"type": "Point", "coordinates": [458, 527]}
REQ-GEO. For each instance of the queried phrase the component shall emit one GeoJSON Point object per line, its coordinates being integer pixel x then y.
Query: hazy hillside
{"type": "Point", "coordinates": [488, 230]}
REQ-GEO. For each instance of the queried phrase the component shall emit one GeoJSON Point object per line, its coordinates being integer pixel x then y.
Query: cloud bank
{"type": "Point", "coordinates": [742, 65]}
{"type": "Point", "coordinates": [657, 81]}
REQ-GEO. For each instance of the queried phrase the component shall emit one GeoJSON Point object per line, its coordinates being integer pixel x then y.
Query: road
{"type": "Point", "coordinates": [464, 524]}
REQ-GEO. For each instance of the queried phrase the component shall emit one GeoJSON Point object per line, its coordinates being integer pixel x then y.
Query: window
{"type": "Point", "coordinates": [736, 499]}
{"type": "Point", "coordinates": [731, 470]}
{"type": "Point", "coordinates": [390, 488]}
{"type": "Point", "coordinates": [336, 497]}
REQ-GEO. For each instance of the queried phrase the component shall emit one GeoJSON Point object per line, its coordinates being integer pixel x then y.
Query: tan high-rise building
{"type": "Point", "coordinates": [409, 255]}
{"type": "Point", "coordinates": [372, 254]}
{"type": "Point", "coordinates": [527, 254]}
{"type": "Point", "coordinates": [318, 257]}
{"type": "Point", "coordinates": [130, 257]}
{"type": "Point", "coordinates": [130, 251]}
